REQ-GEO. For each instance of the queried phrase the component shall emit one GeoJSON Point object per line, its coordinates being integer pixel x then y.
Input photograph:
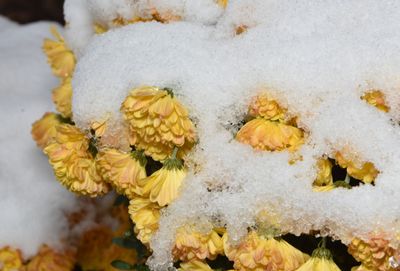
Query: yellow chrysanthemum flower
{"type": "Point", "coordinates": [45, 130]}
{"type": "Point", "coordinates": [122, 170]}
{"type": "Point", "coordinates": [365, 172]}
{"type": "Point", "coordinates": [48, 259]}
{"type": "Point", "coordinates": [266, 107]}
{"type": "Point", "coordinates": [60, 57]}
{"type": "Point", "coordinates": [324, 188]}
{"type": "Point", "coordinates": [158, 122]}
{"type": "Point", "coordinates": [261, 253]}
{"type": "Point", "coordinates": [10, 259]}
{"type": "Point", "coordinates": [163, 185]}
{"type": "Point", "coordinates": [321, 260]}
{"type": "Point", "coordinates": [191, 245]}
{"type": "Point", "coordinates": [324, 180]}
{"type": "Point", "coordinates": [376, 98]}
{"type": "Point", "coordinates": [267, 135]}
{"type": "Point", "coordinates": [72, 162]}
{"type": "Point", "coordinates": [62, 98]}
{"type": "Point", "coordinates": [145, 214]}
{"type": "Point", "coordinates": [373, 254]}
{"type": "Point", "coordinates": [195, 265]}
{"type": "Point", "coordinates": [96, 250]}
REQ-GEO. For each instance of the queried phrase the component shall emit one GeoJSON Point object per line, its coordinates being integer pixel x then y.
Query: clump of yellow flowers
{"type": "Point", "coordinates": [150, 175]}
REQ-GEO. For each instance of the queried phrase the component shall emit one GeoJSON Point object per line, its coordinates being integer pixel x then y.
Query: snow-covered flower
{"type": "Point", "coordinates": [365, 171]}
{"type": "Point", "coordinates": [263, 105]}
{"type": "Point", "coordinates": [265, 253]}
{"type": "Point", "coordinates": [121, 169]}
{"type": "Point", "coordinates": [158, 122]}
{"type": "Point", "coordinates": [163, 185]}
{"type": "Point", "coordinates": [267, 135]}
{"type": "Point", "coordinates": [192, 245]}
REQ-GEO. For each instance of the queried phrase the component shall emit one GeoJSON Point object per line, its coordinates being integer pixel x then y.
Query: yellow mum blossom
{"type": "Point", "coordinates": [44, 130]}
{"type": "Point", "coordinates": [265, 106]}
{"type": "Point", "coordinates": [121, 169]}
{"type": "Point", "coordinates": [48, 259]}
{"type": "Point", "coordinates": [73, 164]}
{"type": "Point", "coordinates": [321, 260]}
{"type": "Point", "coordinates": [96, 250]}
{"type": "Point", "coordinates": [373, 254]}
{"type": "Point", "coordinates": [158, 122]}
{"type": "Point", "coordinates": [222, 3]}
{"type": "Point", "coordinates": [377, 99]}
{"type": "Point", "coordinates": [99, 128]}
{"type": "Point", "coordinates": [259, 253]}
{"type": "Point", "coordinates": [145, 214]}
{"type": "Point", "coordinates": [62, 98]}
{"type": "Point", "coordinates": [267, 135]}
{"type": "Point", "coordinates": [195, 265]}
{"type": "Point", "coordinates": [366, 172]}
{"type": "Point", "coordinates": [163, 185]}
{"type": "Point", "coordinates": [10, 259]}
{"type": "Point", "coordinates": [60, 57]}
{"type": "Point", "coordinates": [191, 245]}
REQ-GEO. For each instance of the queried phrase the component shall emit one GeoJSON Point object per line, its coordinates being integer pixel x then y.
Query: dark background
{"type": "Point", "coordinates": [26, 11]}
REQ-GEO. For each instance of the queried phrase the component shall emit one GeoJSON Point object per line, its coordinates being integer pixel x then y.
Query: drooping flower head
{"type": "Point", "coordinates": [163, 185]}
{"type": "Point", "coordinates": [73, 163]}
{"type": "Point", "coordinates": [267, 135]}
{"type": "Point", "coordinates": [60, 57]}
{"type": "Point", "coordinates": [145, 214]}
{"type": "Point", "coordinates": [321, 260]}
{"type": "Point", "coordinates": [45, 130]}
{"type": "Point", "coordinates": [263, 105]}
{"type": "Point", "coordinates": [158, 122]}
{"type": "Point", "coordinates": [374, 254]}
{"type": "Point", "coordinates": [123, 170]}
{"type": "Point", "coordinates": [365, 171]}
{"type": "Point", "coordinates": [263, 253]}
{"type": "Point", "coordinates": [192, 245]}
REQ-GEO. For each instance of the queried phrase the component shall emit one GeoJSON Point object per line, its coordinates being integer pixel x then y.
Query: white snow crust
{"type": "Point", "coordinates": [33, 204]}
{"type": "Point", "coordinates": [317, 57]}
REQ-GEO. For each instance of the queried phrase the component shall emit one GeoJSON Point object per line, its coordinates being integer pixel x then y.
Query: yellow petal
{"type": "Point", "coordinates": [45, 130]}
{"type": "Point", "coordinates": [195, 266]}
{"type": "Point", "coordinates": [62, 98]}
{"type": "Point", "coordinates": [122, 170]}
{"type": "Point", "coordinates": [60, 57]}
{"type": "Point", "coordinates": [10, 259]}
{"type": "Point", "coordinates": [376, 98]}
{"type": "Point", "coordinates": [267, 135]}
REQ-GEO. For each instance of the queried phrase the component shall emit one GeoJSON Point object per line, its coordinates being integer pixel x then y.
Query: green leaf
{"type": "Point", "coordinates": [142, 267]}
{"type": "Point", "coordinates": [125, 242]}
{"type": "Point", "coordinates": [121, 265]}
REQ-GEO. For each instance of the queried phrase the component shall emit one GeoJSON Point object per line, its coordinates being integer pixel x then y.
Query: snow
{"type": "Point", "coordinates": [317, 57]}
{"type": "Point", "coordinates": [33, 204]}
